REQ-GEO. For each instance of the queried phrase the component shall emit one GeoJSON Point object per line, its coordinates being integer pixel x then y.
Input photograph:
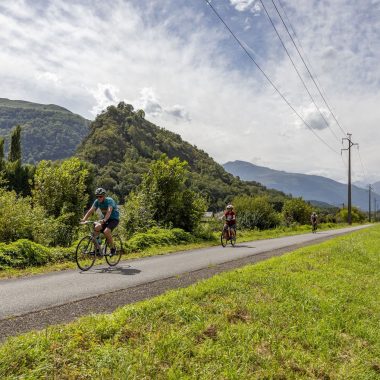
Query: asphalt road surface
{"type": "Point", "coordinates": [38, 301]}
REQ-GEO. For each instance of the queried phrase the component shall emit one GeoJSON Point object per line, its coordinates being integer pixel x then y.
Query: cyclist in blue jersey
{"type": "Point", "coordinates": [110, 212]}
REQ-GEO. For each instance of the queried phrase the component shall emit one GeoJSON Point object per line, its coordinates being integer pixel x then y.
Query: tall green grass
{"type": "Point", "coordinates": [311, 314]}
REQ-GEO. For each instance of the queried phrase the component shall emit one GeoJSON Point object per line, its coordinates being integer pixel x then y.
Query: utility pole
{"type": "Point", "coordinates": [369, 202]}
{"type": "Point", "coordinates": [350, 145]}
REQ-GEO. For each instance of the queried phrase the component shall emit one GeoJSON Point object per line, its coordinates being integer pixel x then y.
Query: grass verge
{"type": "Point", "coordinates": [311, 314]}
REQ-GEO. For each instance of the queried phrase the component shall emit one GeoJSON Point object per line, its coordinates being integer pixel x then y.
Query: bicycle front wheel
{"type": "Point", "coordinates": [113, 259]}
{"type": "Point", "coordinates": [85, 253]}
{"type": "Point", "coordinates": [223, 239]}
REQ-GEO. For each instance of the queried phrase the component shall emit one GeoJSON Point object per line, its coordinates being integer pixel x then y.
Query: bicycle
{"type": "Point", "coordinates": [314, 227]}
{"type": "Point", "coordinates": [89, 248]}
{"type": "Point", "coordinates": [228, 235]}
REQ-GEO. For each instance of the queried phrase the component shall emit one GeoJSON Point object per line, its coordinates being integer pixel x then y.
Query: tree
{"type": "Point", "coordinates": [15, 150]}
{"type": "Point", "coordinates": [3, 180]}
{"type": "Point", "coordinates": [17, 176]}
{"type": "Point", "coordinates": [164, 198]}
{"type": "Point", "coordinates": [2, 152]}
{"type": "Point", "coordinates": [296, 210]}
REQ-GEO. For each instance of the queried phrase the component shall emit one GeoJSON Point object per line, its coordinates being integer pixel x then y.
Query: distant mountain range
{"type": "Point", "coordinates": [49, 132]}
{"type": "Point", "coordinates": [309, 187]}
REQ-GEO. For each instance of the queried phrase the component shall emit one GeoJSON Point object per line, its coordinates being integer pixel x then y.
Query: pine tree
{"type": "Point", "coordinates": [2, 164]}
{"type": "Point", "coordinates": [15, 151]}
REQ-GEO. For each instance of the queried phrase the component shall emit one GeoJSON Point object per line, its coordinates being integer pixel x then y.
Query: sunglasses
{"type": "Point", "coordinates": [100, 196]}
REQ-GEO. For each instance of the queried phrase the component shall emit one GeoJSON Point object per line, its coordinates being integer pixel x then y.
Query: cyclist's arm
{"type": "Point", "coordinates": [88, 213]}
{"type": "Point", "coordinates": [108, 213]}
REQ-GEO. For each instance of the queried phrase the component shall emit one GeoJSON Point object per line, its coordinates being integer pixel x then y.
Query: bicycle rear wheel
{"type": "Point", "coordinates": [233, 239]}
{"type": "Point", "coordinates": [85, 253]}
{"type": "Point", "coordinates": [114, 259]}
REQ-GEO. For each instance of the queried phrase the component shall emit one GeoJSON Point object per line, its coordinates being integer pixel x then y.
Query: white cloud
{"type": "Point", "coordinates": [105, 95]}
{"type": "Point", "coordinates": [150, 103]}
{"type": "Point", "coordinates": [242, 5]}
{"type": "Point", "coordinates": [175, 60]}
{"type": "Point", "coordinates": [49, 77]}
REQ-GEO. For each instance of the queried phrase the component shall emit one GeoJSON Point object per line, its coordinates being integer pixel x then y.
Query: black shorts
{"type": "Point", "coordinates": [111, 224]}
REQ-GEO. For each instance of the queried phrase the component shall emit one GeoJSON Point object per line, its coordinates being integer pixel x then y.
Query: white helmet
{"type": "Point", "coordinates": [229, 207]}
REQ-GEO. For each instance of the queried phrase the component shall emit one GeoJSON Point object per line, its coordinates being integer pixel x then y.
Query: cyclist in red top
{"type": "Point", "coordinates": [230, 218]}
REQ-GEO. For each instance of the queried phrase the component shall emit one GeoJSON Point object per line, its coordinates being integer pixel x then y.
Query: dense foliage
{"type": "Point", "coordinates": [255, 212]}
{"type": "Point", "coordinates": [18, 219]}
{"type": "Point", "coordinates": [60, 188]}
{"type": "Point", "coordinates": [357, 216]}
{"type": "Point", "coordinates": [158, 236]}
{"type": "Point", "coordinates": [48, 132]}
{"type": "Point", "coordinates": [122, 144]}
{"type": "Point", "coordinates": [24, 253]}
{"type": "Point", "coordinates": [296, 211]}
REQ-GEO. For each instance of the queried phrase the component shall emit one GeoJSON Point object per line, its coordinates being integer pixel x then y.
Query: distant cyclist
{"type": "Point", "coordinates": [230, 218]}
{"type": "Point", "coordinates": [314, 221]}
{"type": "Point", "coordinates": [110, 212]}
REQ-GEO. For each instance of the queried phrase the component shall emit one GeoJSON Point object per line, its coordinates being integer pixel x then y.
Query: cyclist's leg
{"type": "Point", "coordinates": [98, 229]}
{"type": "Point", "coordinates": [225, 230]}
{"type": "Point", "coordinates": [109, 227]}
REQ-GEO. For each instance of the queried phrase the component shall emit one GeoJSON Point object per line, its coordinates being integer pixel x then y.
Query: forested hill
{"type": "Point", "coordinates": [122, 143]}
{"type": "Point", "coordinates": [49, 132]}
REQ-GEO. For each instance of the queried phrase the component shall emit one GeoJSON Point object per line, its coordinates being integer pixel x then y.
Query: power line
{"type": "Point", "coordinates": [266, 76]}
{"type": "Point", "coordinates": [307, 68]}
{"type": "Point", "coordinates": [298, 73]}
{"type": "Point", "coordinates": [361, 162]}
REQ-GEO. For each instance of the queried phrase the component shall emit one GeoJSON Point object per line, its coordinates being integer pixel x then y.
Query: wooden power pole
{"type": "Point", "coordinates": [350, 145]}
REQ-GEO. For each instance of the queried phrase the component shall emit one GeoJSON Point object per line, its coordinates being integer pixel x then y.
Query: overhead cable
{"type": "Point", "coordinates": [307, 68]}
{"type": "Point", "coordinates": [361, 162]}
{"type": "Point", "coordinates": [298, 73]}
{"type": "Point", "coordinates": [267, 77]}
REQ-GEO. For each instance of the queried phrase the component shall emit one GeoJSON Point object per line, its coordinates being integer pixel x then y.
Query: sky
{"type": "Point", "coordinates": [177, 61]}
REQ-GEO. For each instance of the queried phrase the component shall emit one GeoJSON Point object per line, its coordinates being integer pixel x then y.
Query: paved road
{"type": "Point", "coordinates": [27, 295]}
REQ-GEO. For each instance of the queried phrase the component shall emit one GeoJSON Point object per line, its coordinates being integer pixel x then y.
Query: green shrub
{"type": "Point", "coordinates": [296, 211]}
{"type": "Point", "coordinates": [60, 188]}
{"type": "Point", "coordinates": [158, 236]}
{"type": "Point", "coordinates": [18, 219]}
{"type": "Point", "coordinates": [255, 212]}
{"type": "Point", "coordinates": [357, 216]}
{"type": "Point", "coordinates": [24, 253]}
{"type": "Point", "coordinates": [205, 231]}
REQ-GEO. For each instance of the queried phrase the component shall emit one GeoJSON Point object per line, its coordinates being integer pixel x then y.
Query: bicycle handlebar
{"type": "Point", "coordinates": [89, 222]}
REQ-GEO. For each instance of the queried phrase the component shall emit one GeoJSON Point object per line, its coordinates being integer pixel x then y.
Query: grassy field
{"type": "Point", "coordinates": [243, 236]}
{"type": "Point", "coordinates": [311, 314]}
